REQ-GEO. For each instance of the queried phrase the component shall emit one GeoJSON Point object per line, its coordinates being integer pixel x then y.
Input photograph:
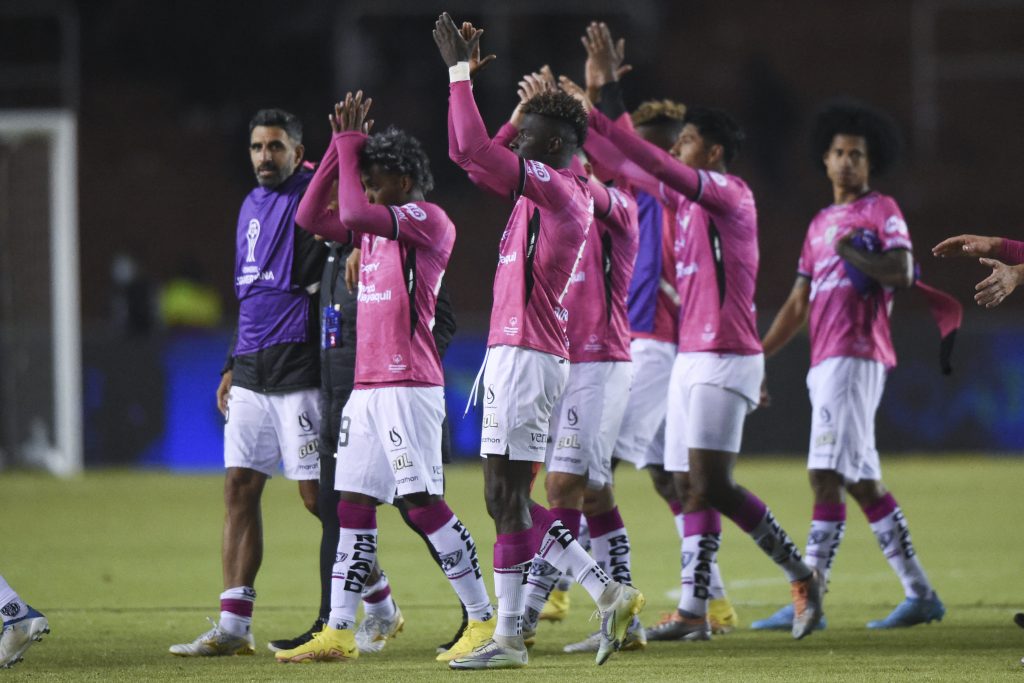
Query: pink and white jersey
{"type": "Point", "coordinates": [844, 322]}
{"type": "Point", "coordinates": [716, 259]}
{"type": "Point", "coordinates": [398, 283]}
{"type": "Point", "coordinates": [598, 328]}
{"type": "Point", "coordinates": [538, 253]}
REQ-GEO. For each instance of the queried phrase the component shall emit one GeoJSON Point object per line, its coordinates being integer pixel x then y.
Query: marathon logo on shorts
{"type": "Point", "coordinates": [363, 556]}
{"type": "Point", "coordinates": [490, 394]}
{"type": "Point", "coordinates": [309, 448]}
{"type": "Point", "coordinates": [396, 437]}
{"type": "Point", "coordinates": [305, 424]}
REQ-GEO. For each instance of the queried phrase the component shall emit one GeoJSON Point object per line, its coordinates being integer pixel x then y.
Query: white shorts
{"type": "Point", "coordinates": [641, 439]}
{"type": "Point", "coordinates": [262, 431]}
{"type": "Point", "coordinates": [520, 389]}
{"type": "Point", "coordinates": [709, 397]}
{"type": "Point", "coordinates": [390, 442]}
{"type": "Point", "coordinates": [586, 419]}
{"type": "Point", "coordinates": [845, 393]}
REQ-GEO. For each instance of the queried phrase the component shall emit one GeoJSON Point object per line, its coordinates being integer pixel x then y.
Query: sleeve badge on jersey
{"type": "Point", "coordinates": [895, 225]}
{"type": "Point", "coordinates": [538, 171]}
{"type": "Point", "coordinates": [718, 178]}
{"type": "Point", "coordinates": [415, 211]}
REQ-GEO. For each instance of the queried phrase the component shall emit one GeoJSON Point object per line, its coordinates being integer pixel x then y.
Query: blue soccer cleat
{"type": "Point", "coordinates": [911, 612]}
{"type": "Point", "coordinates": [782, 620]}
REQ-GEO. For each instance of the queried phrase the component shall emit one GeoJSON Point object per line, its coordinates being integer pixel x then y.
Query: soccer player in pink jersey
{"type": "Point", "coordinates": [526, 367]}
{"type": "Point", "coordinates": [717, 373]}
{"type": "Point", "coordinates": [1004, 256]}
{"type": "Point", "coordinates": [845, 290]}
{"type": "Point", "coordinates": [653, 300]}
{"type": "Point", "coordinates": [390, 441]}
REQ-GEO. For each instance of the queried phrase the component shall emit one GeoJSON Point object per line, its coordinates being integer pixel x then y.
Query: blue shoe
{"type": "Point", "coordinates": [911, 612]}
{"type": "Point", "coordinates": [782, 621]}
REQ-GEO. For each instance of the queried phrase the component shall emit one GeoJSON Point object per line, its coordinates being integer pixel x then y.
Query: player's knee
{"type": "Point", "coordinates": [826, 485]}
{"type": "Point", "coordinates": [565, 490]}
{"type": "Point", "coordinates": [867, 492]}
{"type": "Point", "coordinates": [242, 487]}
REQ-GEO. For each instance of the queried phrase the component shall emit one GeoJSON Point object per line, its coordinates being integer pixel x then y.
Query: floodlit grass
{"type": "Point", "coordinates": [126, 563]}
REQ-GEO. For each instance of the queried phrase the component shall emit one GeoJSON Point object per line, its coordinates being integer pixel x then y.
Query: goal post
{"type": "Point", "coordinates": [43, 426]}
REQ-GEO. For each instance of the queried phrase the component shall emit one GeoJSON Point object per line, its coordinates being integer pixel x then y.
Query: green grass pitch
{"type": "Point", "coordinates": [126, 563]}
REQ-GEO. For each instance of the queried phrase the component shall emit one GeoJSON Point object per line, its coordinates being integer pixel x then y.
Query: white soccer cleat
{"type": "Point", "coordinates": [490, 655]}
{"type": "Point", "coordinates": [216, 643]}
{"type": "Point", "coordinates": [636, 639]}
{"type": "Point", "coordinates": [19, 634]}
{"type": "Point", "coordinates": [375, 632]}
{"type": "Point", "coordinates": [617, 619]}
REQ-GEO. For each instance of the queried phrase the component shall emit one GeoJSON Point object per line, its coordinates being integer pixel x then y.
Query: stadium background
{"type": "Point", "coordinates": [163, 93]}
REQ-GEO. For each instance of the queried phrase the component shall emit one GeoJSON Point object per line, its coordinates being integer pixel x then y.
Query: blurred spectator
{"type": "Point", "coordinates": [131, 303]}
{"type": "Point", "coordinates": [188, 300]}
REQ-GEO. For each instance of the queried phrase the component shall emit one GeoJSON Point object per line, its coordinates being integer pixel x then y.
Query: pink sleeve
{"type": "Point", "coordinates": [420, 224]}
{"type": "Point", "coordinates": [620, 214]}
{"type": "Point", "coordinates": [805, 266]}
{"type": "Point", "coordinates": [354, 210]}
{"type": "Point", "coordinates": [495, 165]}
{"type": "Point", "coordinates": [315, 213]}
{"type": "Point", "coordinates": [610, 164]}
{"type": "Point", "coordinates": [1011, 252]}
{"type": "Point", "coordinates": [653, 160]}
{"type": "Point", "coordinates": [893, 232]}
{"type": "Point", "coordinates": [602, 198]}
{"type": "Point", "coordinates": [506, 134]}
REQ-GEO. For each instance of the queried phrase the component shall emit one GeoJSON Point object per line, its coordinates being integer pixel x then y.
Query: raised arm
{"type": "Point", "coordinates": [477, 152]}
{"type": "Point", "coordinates": [657, 162]}
{"type": "Point", "coordinates": [316, 212]}
{"type": "Point", "coordinates": [355, 212]}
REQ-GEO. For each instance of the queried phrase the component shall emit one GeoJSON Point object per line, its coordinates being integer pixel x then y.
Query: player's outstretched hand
{"type": "Point", "coordinates": [569, 87]}
{"type": "Point", "coordinates": [350, 115]}
{"type": "Point", "coordinates": [968, 245]}
{"type": "Point", "coordinates": [452, 46]}
{"type": "Point", "coordinates": [476, 64]}
{"type": "Point", "coordinates": [605, 57]}
{"type": "Point", "coordinates": [529, 86]}
{"type": "Point", "coordinates": [1000, 284]}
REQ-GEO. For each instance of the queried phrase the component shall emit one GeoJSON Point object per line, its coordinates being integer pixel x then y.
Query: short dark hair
{"type": "Point", "coordinates": [561, 107]}
{"type": "Point", "coordinates": [395, 151]}
{"type": "Point", "coordinates": [847, 116]}
{"type": "Point", "coordinates": [278, 118]}
{"type": "Point", "coordinates": [718, 128]}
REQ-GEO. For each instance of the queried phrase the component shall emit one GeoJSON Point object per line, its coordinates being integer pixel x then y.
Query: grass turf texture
{"type": "Point", "coordinates": [126, 563]}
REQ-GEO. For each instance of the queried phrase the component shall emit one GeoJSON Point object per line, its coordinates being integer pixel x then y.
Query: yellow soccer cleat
{"type": "Point", "coordinates": [477, 633]}
{"type": "Point", "coordinates": [328, 645]}
{"type": "Point", "coordinates": [557, 606]}
{"type": "Point", "coordinates": [722, 616]}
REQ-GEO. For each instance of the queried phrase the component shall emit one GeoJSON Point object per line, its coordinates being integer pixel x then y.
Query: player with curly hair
{"type": "Point", "coordinates": [856, 255]}
{"type": "Point", "coordinates": [391, 426]}
{"type": "Point", "coordinates": [527, 362]}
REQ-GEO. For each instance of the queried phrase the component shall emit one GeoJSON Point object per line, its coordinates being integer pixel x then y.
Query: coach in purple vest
{"type": "Point", "coordinates": [269, 387]}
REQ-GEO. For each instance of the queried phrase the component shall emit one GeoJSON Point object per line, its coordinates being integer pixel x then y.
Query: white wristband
{"type": "Point", "coordinates": [459, 72]}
